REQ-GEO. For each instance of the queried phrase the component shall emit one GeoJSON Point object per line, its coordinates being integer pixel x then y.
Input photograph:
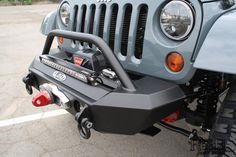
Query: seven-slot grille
{"type": "Point", "coordinates": [121, 27]}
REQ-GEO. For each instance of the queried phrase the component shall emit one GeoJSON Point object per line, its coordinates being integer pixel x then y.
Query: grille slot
{"type": "Point", "coordinates": [102, 20]}
{"type": "Point", "coordinates": [74, 25]}
{"type": "Point", "coordinates": [84, 10]}
{"type": "Point", "coordinates": [141, 31]}
{"type": "Point", "coordinates": [91, 21]}
{"type": "Point", "coordinates": [125, 29]}
{"type": "Point", "coordinates": [82, 27]}
{"type": "Point", "coordinates": [113, 26]}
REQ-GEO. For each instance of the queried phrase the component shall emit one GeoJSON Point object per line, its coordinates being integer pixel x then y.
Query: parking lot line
{"type": "Point", "coordinates": [32, 117]}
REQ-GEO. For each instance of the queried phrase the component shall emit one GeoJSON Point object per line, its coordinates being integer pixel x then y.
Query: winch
{"type": "Point", "coordinates": [90, 59]}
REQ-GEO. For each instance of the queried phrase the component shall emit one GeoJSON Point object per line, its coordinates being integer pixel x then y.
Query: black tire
{"type": "Point", "coordinates": [222, 140]}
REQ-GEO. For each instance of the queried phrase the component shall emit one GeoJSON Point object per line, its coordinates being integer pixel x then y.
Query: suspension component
{"type": "Point", "coordinates": [193, 138]}
{"type": "Point", "coordinates": [209, 87]}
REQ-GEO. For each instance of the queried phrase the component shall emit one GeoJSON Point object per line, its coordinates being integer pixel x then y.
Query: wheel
{"type": "Point", "coordinates": [222, 139]}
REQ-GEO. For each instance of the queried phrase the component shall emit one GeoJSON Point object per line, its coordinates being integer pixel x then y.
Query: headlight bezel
{"type": "Point", "coordinates": [191, 12]}
{"type": "Point", "coordinates": [63, 21]}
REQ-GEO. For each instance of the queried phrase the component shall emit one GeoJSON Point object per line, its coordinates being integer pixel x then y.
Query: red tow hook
{"type": "Point", "coordinates": [42, 99]}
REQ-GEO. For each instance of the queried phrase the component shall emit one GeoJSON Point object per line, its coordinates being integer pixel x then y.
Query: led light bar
{"type": "Point", "coordinates": [65, 70]}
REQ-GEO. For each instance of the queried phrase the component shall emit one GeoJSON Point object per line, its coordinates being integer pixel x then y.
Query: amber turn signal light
{"type": "Point", "coordinates": [175, 62]}
{"type": "Point", "coordinates": [60, 40]}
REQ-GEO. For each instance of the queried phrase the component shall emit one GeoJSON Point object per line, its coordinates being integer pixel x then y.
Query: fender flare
{"type": "Point", "coordinates": [49, 23]}
{"type": "Point", "coordinates": [218, 52]}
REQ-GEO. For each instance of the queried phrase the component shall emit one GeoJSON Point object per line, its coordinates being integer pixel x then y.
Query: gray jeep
{"type": "Point", "coordinates": [122, 66]}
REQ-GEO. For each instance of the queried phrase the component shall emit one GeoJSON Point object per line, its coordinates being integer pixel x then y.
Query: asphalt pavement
{"type": "Point", "coordinates": [26, 131]}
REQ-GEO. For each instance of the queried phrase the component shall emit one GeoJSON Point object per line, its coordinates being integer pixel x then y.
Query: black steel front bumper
{"type": "Point", "coordinates": [127, 110]}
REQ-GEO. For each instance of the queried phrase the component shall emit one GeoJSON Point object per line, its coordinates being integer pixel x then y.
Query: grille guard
{"type": "Point", "coordinates": [128, 110]}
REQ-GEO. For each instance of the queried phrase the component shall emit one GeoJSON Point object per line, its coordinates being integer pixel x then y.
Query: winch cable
{"type": "Point", "coordinates": [175, 129]}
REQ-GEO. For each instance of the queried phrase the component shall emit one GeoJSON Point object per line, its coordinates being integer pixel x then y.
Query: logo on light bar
{"type": "Point", "coordinates": [59, 76]}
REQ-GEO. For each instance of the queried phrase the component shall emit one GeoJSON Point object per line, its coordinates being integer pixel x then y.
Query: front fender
{"type": "Point", "coordinates": [218, 52]}
{"type": "Point", "coordinates": [49, 23]}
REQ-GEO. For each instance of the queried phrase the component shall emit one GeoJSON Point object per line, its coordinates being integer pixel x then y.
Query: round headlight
{"type": "Point", "coordinates": [177, 19]}
{"type": "Point", "coordinates": [65, 13]}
